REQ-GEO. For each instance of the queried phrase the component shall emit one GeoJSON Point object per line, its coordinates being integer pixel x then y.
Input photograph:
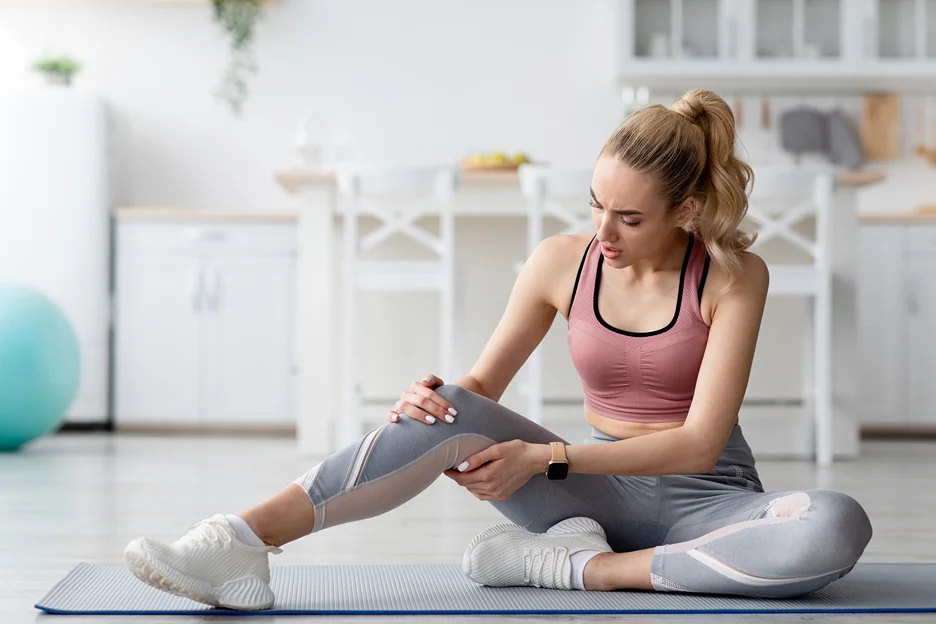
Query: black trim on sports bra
{"type": "Point", "coordinates": [579, 275]}
{"type": "Point", "coordinates": [705, 267]}
{"type": "Point", "coordinates": [682, 280]}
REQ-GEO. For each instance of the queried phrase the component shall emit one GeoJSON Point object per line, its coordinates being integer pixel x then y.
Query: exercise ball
{"type": "Point", "coordinates": [39, 365]}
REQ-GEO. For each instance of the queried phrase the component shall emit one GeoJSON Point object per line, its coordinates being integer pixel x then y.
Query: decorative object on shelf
{"type": "Point", "coordinates": [494, 161]}
{"type": "Point", "coordinates": [928, 154]}
{"type": "Point", "coordinates": [58, 70]}
{"type": "Point", "coordinates": [309, 141]}
{"type": "Point", "coordinates": [659, 45]}
{"type": "Point", "coordinates": [880, 125]}
{"type": "Point", "coordinates": [844, 143]}
{"type": "Point", "coordinates": [807, 130]}
{"type": "Point", "coordinates": [238, 18]}
{"type": "Point", "coordinates": [803, 130]}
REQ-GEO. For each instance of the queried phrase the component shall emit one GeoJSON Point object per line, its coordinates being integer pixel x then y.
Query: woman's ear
{"type": "Point", "coordinates": [687, 211]}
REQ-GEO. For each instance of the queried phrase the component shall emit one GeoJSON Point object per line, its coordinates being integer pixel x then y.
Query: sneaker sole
{"type": "Point", "coordinates": [238, 594]}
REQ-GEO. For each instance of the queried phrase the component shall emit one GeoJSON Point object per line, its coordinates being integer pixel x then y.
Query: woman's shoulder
{"type": "Point", "coordinates": [562, 250]}
{"type": "Point", "coordinates": [751, 282]}
{"type": "Point", "coordinates": [554, 264]}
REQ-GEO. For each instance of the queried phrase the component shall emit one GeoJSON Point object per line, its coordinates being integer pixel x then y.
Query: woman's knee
{"type": "Point", "coordinates": [842, 526]}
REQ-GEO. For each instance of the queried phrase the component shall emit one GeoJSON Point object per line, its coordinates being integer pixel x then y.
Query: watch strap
{"type": "Point", "coordinates": [558, 452]}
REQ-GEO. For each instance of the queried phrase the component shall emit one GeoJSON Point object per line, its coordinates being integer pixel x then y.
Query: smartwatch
{"type": "Point", "coordinates": [558, 467]}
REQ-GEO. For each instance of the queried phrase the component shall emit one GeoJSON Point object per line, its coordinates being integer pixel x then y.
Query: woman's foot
{"type": "Point", "coordinates": [507, 555]}
{"type": "Point", "coordinates": [208, 564]}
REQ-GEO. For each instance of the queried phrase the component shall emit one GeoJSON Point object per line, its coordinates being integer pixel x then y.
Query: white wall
{"type": "Point", "coordinates": [409, 80]}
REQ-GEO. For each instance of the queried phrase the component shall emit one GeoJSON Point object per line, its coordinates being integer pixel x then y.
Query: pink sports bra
{"type": "Point", "coordinates": [643, 377]}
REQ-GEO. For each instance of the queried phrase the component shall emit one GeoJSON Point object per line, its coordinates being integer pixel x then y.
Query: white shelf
{"type": "Point", "coordinates": [779, 46]}
{"type": "Point", "coordinates": [761, 76]}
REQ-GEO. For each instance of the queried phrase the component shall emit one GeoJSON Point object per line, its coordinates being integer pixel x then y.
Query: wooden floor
{"type": "Point", "coordinates": [82, 497]}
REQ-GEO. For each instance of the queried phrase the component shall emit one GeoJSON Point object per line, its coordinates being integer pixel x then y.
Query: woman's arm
{"type": "Point", "coordinates": [528, 316]}
{"type": "Point", "coordinates": [693, 448]}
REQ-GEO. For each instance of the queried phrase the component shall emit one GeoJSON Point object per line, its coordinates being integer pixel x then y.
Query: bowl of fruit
{"type": "Point", "coordinates": [494, 161]}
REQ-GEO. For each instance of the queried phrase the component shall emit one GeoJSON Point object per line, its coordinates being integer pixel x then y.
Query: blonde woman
{"type": "Point", "coordinates": [664, 306]}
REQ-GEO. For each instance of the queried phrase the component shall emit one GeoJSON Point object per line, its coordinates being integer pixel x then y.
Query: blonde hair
{"type": "Point", "coordinates": [689, 149]}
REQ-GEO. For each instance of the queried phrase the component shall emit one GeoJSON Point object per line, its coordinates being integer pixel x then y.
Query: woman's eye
{"type": "Point", "coordinates": [631, 223]}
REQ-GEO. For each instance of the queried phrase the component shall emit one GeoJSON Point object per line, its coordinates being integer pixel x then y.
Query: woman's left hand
{"type": "Point", "coordinates": [499, 470]}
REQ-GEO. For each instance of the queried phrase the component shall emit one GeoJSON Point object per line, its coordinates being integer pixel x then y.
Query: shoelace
{"type": "Point", "coordinates": [208, 533]}
{"type": "Point", "coordinates": [537, 563]}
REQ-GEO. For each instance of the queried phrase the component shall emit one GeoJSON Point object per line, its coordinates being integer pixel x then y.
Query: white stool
{"type": "Point", "coordinates": [397, 196]}
{"type": "Point", "coordinates": [803, 194]}
{"type": "Point", "coordinates": [550, 191]}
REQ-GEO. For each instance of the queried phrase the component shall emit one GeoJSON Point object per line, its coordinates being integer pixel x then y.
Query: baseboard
{"type": "Point", "coordinates": [235, 430]}
{"type": "Point", "coordinates": [872, 432]}
{"type": "Point", "coordinates": [85, 426]}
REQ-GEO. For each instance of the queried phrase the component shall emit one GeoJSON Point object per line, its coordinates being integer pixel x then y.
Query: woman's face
{"type": "Point", "coordinates": [629, 213]}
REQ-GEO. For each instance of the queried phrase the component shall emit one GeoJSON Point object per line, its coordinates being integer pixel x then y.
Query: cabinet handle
{"type": "Point", "coordinates": [214, 292]}
{"type": "Point", "coordinates": [196, 286]}
{"type": "Point", "coordinates": [201, 235]}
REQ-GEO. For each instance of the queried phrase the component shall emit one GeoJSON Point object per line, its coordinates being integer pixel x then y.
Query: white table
{"type": "Point", "coordinates": [497, 195]}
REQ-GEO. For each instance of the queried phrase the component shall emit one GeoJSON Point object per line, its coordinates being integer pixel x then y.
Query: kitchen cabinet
{"type": "Point", "coordinates": [736, 45]}
{"type": "Point", "coordinates": [248, 340]}
{"type": "Point", "coordinates": [897, 333]}
{"type": "Point", "coordinates": [158, 339]}
{"type": "Point", "coordinates": [204, 323]}
{"type": "Point", "coordinates": [920, 359]}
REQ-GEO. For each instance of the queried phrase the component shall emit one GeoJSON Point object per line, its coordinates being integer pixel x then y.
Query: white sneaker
{"type": "Point", "coordinates": [507, 555]}
{"type": "Point", "coordinates": [208, 564]}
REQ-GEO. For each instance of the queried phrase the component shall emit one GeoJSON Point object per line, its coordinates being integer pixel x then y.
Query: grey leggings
{"type": "Point", "coordinates": [717, 532]}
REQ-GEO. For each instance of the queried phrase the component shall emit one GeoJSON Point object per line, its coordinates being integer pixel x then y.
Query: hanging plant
{"type": "Point", "coordinates": [57, 70]}
{"type": "Point", "coordinates": [238, 18]}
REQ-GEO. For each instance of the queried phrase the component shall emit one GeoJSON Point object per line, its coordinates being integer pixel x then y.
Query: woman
{"type": "Point", "coordinates": [664, 307]}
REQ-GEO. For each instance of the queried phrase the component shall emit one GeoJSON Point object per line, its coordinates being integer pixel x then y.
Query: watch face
{"type": "Point", "coordinates": [558, 470]}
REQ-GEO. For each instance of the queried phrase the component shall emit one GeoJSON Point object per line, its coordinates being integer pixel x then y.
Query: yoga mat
{"type": "Point", "coordinates": [443, 589]}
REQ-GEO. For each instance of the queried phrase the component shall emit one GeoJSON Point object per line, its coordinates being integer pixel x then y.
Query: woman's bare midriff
{"type": "Point", "coordinates": [623, 429]}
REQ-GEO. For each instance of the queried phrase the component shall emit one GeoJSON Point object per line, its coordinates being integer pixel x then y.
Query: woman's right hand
{"type": "Point", "coordinates": [421, 402]}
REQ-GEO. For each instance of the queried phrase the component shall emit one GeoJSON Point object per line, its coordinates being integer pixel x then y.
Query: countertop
{"type": "Point", "coordinates": [293, 179]}
{"type": "Point", "coordinates": [153, 213]}
{"type": "Point", "coordinates": [918, 216]}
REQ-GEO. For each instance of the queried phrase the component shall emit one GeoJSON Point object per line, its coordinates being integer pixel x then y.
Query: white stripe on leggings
{"type": "Point", "coordinates": [741, 577]}
{"type": "Point", "coordinates": [363, 452]}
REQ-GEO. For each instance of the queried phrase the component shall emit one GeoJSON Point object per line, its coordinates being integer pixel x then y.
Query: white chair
{"type": "Point", "coordinates": [561, 194]}
{"type": "Point", "coordinates": [803, 194]}
{"type": "Point", "coordinates": [398, 197]}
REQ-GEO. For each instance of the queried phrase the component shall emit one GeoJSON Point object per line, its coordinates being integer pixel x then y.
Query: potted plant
{"type": "Point", "coordinates": [57, 70]}
{"type": "Point", "coordinates": [238, 19]}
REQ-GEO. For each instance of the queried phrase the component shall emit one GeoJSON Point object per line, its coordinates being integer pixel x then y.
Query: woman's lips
{"type": "Point", "coordinates": [610, 252]}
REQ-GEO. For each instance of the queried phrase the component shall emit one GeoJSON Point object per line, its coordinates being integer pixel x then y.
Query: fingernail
{"type": "Point", "coordinates": [395, 417]}
{"type": "Point", "coordinates": [449, 418]}
{"type": "Point", "coordinates": [452, 411]}
{"type": "Point", "coordinates": [462, 467]}
{"type": "Point", "coordinates": [426, 379]}
{"type": "Point", "coordinates": [430, 419]}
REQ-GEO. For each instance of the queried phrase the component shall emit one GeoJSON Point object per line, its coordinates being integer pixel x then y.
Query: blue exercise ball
{"type": "Point", "coordinates": [40, 365]}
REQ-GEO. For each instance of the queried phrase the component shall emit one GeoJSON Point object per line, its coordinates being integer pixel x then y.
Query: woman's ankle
{"type": "Point", "coordinates": [284, 518]}
{"type": "Point", "coordinates": [613, 571]}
